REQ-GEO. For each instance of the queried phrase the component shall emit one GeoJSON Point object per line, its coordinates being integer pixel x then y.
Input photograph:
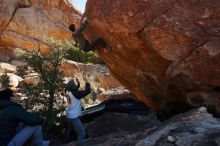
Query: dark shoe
{"type": "Point", "coordinates": [87, 136]}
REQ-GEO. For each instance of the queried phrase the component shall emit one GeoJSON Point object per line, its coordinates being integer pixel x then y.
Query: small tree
{"type": "Point", "coordinates": [44, 94]}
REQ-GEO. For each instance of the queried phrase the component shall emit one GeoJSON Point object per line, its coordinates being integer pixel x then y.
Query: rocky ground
{"type": "Point", "coordinates": [193, 128]}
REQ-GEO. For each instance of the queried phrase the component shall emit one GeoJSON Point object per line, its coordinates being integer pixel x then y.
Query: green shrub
{"type": "Point", "coordinates": [76, 54]}
{"type": "Point", "coordinates": [44, 97]}
{"type": "Point", "coordinates": [4, 80]}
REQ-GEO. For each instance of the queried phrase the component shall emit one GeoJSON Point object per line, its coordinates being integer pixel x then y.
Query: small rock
{"type": "Point", "coordinates": [8, 68]}
{"type": "Point", "coordinates": [18, 63]}
{"type": "Point", "coordinates": [15, 90]}
{"type": "Point", "coordinates": [203, 109]}
{"type": "Point", "coordinates": [206, 14]}
{"type": "Point", "coordinates": [14, 80]}
{"type": "Point", "coordinates": [171, 139]}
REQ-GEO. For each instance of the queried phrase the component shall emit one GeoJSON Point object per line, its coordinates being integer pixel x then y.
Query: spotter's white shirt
{"type": "Point", "coordinates": [73, 109]}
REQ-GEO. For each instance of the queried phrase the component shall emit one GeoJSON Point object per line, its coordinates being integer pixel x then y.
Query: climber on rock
{"type": "Point", "coordinates": [82, 42]}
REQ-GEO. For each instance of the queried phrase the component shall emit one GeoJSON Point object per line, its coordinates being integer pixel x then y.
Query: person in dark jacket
{"type": "Point", "coordinates": [82, 42]}
{"type": "Point", "coordinates": [74, 108]}
{"type": "Point", "coordinates": [13, 114]}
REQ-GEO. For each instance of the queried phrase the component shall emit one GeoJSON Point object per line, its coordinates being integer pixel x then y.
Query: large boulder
{"type": "Point", "coordinates": [30, 23]}
{"type": "Point", "coordinates": [165, 52]}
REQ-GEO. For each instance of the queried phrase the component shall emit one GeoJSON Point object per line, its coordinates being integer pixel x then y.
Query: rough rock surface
{"type": "Point", "coordinates": [8, 68]}
{"type": "Point", "coordinates": [118, 129]}
{"type": "Point", "coordinates": [117, 122]}
{"type": "Point", "coordinates": [98, 74]}
{"type": "Point", "coordinates": [116, 93]}
{"type": "Point", "coordinates": [166, 52]}
{"type": "Point", "coordinates": [14, 80]}
{"type": "Point", "coordinates": [30, 23]}
{"type": "Point", "coordinates": [194, 128]}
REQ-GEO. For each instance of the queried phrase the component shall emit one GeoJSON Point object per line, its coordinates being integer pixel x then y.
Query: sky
{"type": "Point", "coordinates": [79, 4]}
